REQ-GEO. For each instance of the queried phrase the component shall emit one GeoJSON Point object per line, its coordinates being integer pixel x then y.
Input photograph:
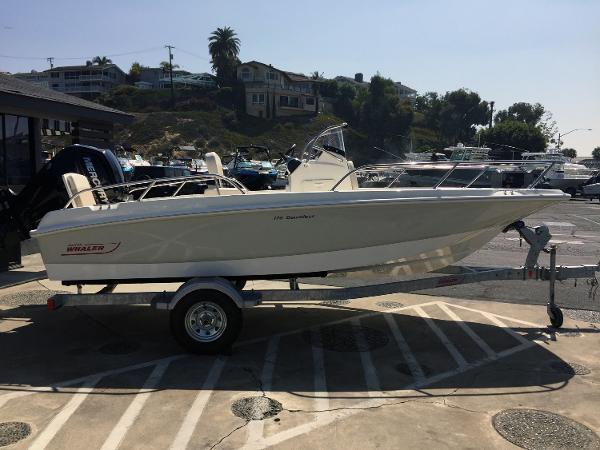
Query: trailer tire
{"type": "Point", "coordinates": [206, 322]}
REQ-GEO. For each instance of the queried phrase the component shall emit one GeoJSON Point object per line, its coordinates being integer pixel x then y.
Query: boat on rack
{"type": "Point", "coordinates": [565, 174]}
{"type": "Point", "coordinates": [322, 223]}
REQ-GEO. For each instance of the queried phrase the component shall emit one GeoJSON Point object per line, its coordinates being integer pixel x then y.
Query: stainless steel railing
{"type": "Point", "coordinates": [146, 186]}
{"type": "Point", "coordinates": [543, 165]}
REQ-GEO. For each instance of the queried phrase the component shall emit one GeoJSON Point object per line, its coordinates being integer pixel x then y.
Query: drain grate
{"type": "Point", "coordinates": [389, 305]}
{"type": "Point", "coordinates": [345, 338]}
{"type": "Point", "coordinates": [569, 368]}
{"type": "Point", "coordinates": [119, 348]}
{"type": "Point", "coordinates": [537, 430]}
{"type": "Point", "coordinates": [583, 314]}
{"type": "Point", "coordinates": [256, 408]}
{"type": "Point", "coordinates": [11, 432]}
{"type": "Point", "coordinates": [335, 302]}
{"type": "Point", "coordinates": [27, 298]}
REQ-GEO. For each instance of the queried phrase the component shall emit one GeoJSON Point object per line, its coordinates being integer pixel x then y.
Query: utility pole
{"type": "Point", "coordinates": [491, 113]}
{"type": "Point", "coordinates": [170, 47]}
{"type": "Point", "coordinates": [51, 61]}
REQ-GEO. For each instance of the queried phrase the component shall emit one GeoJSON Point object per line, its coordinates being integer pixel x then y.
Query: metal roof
{"type": "Point", "coordinates": [25, 98]}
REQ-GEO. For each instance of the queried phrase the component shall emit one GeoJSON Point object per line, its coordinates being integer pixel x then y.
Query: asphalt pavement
{"type": "Point", "coordinates": [456, 368]}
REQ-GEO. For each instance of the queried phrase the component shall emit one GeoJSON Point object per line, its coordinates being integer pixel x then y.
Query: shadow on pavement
{"type": "Point", "coordinates": [39, 348]}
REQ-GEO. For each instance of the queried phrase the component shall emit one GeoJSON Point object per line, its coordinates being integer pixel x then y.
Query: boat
{"type": "Point", "coordinates": [592, 190]}
{"type": "Point", "coordinates": [322, 223]}
{"type": "Point", "coordinates": [565, 175]}
{"type": "Point", "coordinates": [255, 174]}
{"type": "Point", "coordinates": [510, 174]}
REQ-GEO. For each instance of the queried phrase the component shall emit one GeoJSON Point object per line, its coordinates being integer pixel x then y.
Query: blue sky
{"type": "Point", "coordinates": [545, 51]}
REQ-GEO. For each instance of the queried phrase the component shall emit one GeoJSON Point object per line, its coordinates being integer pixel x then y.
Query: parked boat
{"type": "Point", "coordinates": [322, 223]}
{"type": "Point", "coordinates": [252, 172]}
{"type": "Point", "coordinates": [564, 175]}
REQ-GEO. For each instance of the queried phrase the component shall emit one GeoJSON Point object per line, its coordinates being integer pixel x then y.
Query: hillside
{"type": "Point", "coordinates": [206, 120]}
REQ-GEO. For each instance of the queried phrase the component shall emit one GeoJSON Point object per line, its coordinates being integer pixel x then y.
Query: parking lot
{"type": "Point", "coordinates": [444, 368]}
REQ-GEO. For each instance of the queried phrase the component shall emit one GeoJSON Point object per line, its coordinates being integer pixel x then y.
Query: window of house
{"type": "Point", "coordinates": [310, 100]}
{"type": "Point", "coordinates": [271, 75]}
{"type": "Point", "coordinates": [54, 74]}
{"type": "Point", "coordinates": [258, 99]}
{"type": "Point", "coordinates": [289, 101]}
{"type": "Point", "coordinates": [246, 75]}
{"type": "Point", "coordinates": [56, 125]}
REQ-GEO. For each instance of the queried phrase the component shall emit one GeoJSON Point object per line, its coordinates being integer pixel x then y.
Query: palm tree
{"type": "Point", "coordinates": [224, 47]}
{"type": "Point", "coordinates": [165, 66]}
{"type": "Point", "coordinates": [101, 60]}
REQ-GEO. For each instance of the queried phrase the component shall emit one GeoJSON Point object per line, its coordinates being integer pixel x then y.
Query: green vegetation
{"type": "Point", "coordinates": [596, 153]}
{"type": "Point", "coordinates": [224, 48]}
{"type": "Point", "coordinates": [218, 130]}
{"type": "Point", "coordinates": [521, 127]}
{"type": "Point", "coordinates": [569, 152]}
{"type": "Point", "coordinates": [99, 61]}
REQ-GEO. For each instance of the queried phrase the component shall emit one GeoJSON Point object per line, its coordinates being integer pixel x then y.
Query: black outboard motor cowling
{"type": "Point", "coordinates": [46, 191]}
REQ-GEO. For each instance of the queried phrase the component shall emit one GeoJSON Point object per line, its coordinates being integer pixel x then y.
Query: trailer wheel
{"type": "Point", "coordinates": [206, 322]}
{"type": "Point", "coordinates": [556, 317]}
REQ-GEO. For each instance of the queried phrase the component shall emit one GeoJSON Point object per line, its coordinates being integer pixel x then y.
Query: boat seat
{"type": "Point", "coordinates": [352, 176]}
{"type": "Point", "coordinates": [74, 183]}
{"type": "Point", "coordinates": [213, 163]}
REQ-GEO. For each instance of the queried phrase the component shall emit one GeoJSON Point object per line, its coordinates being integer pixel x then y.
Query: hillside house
{"type": "Point", "coordinates": [271, 92]}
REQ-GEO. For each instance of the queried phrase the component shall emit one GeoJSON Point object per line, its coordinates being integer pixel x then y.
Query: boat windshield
{"type": "Point", "coordinates": [330, 139]}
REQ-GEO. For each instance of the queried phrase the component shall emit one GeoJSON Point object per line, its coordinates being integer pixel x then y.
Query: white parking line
{"type": "Point", "coordinates": [56, 388]}
{"type": "Point", "coordinates": [135, 407]}
{"type": "Point", "coordinates": [467, 329]}
{"type": "Point", "coordinates": [409, 357]}
{"type": "Point", "coordinates": [191, 419]}
{"type": "Point", "coordinates": [365, 358]}
{"type": "Point", "coordinates": [61, 418]}
{"type": "Point", "coordinates": [256, 427]}
{"type": "Point", "coordinates": [494, 319]}
{"type": "Point", "coordinates": [442, 336]}
{"type": "Point", "coordinates": [256, 438]}
{"type": "Point", "coordinates": [320, 381]}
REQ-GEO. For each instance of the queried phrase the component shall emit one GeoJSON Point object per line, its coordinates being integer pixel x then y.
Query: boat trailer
{"type": "Point", "coordinates": [206, 313]}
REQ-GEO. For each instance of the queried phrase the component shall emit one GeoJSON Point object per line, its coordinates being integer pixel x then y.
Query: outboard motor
{"type": "Point", "coordinates": [46, 191]}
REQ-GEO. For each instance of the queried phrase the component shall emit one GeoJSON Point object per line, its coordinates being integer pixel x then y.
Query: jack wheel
{"type": "Point", "coordinates": [556, 317]}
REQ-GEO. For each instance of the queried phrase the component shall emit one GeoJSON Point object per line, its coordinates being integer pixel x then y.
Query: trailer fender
{"type": "Point", "coordinates": [213, 283]}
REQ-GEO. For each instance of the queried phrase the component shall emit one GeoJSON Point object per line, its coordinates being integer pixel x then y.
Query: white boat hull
{"type": "Point", "coordinates": [269, 234]}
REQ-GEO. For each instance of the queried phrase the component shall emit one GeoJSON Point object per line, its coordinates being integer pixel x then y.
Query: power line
{"type": "Point", "coordinates": [135, 52]}
{"type": "Point", "coordinates": [193, 54]}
